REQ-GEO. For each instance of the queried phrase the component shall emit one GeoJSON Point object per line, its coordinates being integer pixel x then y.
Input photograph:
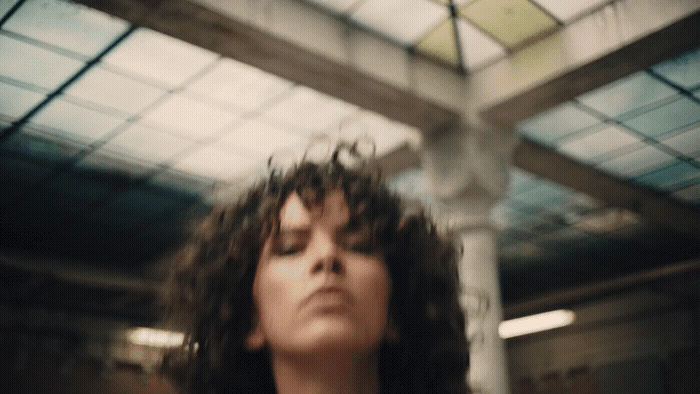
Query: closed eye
{"type": "Point", "coordinates": [290, 242]}
{"type": "Point", "coordinates": [358, 241]}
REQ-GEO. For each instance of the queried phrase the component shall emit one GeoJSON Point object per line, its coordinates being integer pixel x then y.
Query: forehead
{"type": "Point", "coordinates": [332, 212]}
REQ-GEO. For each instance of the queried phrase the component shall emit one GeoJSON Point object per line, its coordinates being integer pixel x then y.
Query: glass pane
{"type": "Point", "coordinates": [593, 145]}
{"type": "Point", "coordinates": [34, 145]}
{"type": "Point", "coordinates": [105, 161]}
{"type": "Point", "coordinates": [114, 91]}
{"type": "Point", "coordinates": [627, 94]}
{"type": "Point", "coordinates": [307, 111]}
{"type": "Point", "coordinates": [543, 195]}
{"type": "Point", "coordinates": [404, 21]}
{"type": "Point", "coordinates": [641, 160]}
{"type": "Point", "coordinates": [509, 21]}
{"type": "Point", "coordinates": [5, 6]}
{"type": "Point", "coordinates": [66, 25]}
{"type": "Point", "coordinates": [261, 140]}
{"type": "Point", "coordinates": [440, 43]}
{"type": "Point", "coordinates": [147, 144]}
{"type": "Point", "coordinates": [555, 123]}
{"type": "Point", "coordinates": [677, 175]}
{"type": "Point", "coordinates": [15, 101]}
{"type": "Point", "coordinates": [568, 10]}
{"type": "Point", "coordinates": [189, 118]}
{"type": "Point", "coordinates": [78, 121]}
{"type": "Point", "coordinates": [687, 142]}
{"type": "Point", "coordinates": [683, 70]}
{"type": "Point", "coordinates": [677, 114]}
{"type": "Point", "coordinates": [340, 6]}
{"type": "Point", "coordinates": [27, 63]}
{"type": "Point", "coordinates": [158, 57]}
{"type": "Point", "coordinates": [234, 83]}
{"type": "Point", "coordinates": [215, 163]}
{"type": "Point", "coordinates": [477, 48]}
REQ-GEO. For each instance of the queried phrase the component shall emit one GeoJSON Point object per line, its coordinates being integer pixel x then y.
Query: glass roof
{"type": "Point", "coordinates": [485, 29]}
{"type": "Point", "coordinates": [122, 97]}
{"type": "Point", "coordinates": [644, 128]}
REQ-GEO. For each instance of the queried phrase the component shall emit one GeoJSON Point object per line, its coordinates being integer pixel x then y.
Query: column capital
{"type": "Point", "coordinates": [467, 168]}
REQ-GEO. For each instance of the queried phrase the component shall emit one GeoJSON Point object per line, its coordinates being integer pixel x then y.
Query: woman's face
{"type": "Point", "coordinates": [319, 286]}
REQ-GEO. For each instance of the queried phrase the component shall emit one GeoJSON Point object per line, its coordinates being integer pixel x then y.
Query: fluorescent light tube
{"type": "Point", "coordinates": [154, 337]}
{"type": "Point", "coordinates": [535, 323]}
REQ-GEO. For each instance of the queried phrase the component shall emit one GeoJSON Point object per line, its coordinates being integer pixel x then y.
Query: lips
{"type": "Point", "coordinates": [329, 297]}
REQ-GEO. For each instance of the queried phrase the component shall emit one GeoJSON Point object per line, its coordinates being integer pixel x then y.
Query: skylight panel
{"type": "Point", "coordinates": [404, 21]}
{"type": "Point", "coordinates": [307, 110]}
{"type": "Point", "coordinates": [556, 123]}
{"type": "Point", "coordinates": [147, 144]}
{"type": "Point", "coordinates": [440, 43]}
{"type": "Point", "coordinates": [262, 140]}
{"type": "Point", "coordinates": [105, 160]}
{"type": "Point", "coordinates": [627, 94]}
{"type": "Point", "coordinates": [636, 162]}
{"type": "Point", "coordinates": [188, 118]}
{"type": "Point", "coordinates": [674, 115]}
{"type": "Point", "coordinates": [477, 47]}
{"type": "Point", "coordinates": [40, 147]}
{"type": "Point", "coordinates": [509, 21]}
{"type": "Point", "coordinates": [595, 144]}
{"type": "Point", "coordinates": [28, 63]}
{"type": "Point", "coordinates": [216, 163]}
{"type": "Point", "coordinates": [678, 175]}
{"type": "Point", "coordinates": [79, 122]}
{"type": "Point", "coordinates": [159, 58]}
{"type": "Point", "coordinates": [543, 194]}
{"type": "Point", "coordinates": [565, 11]}
{"type": "Point", "coordinates": [683, 70]}
{"type": "Point", "coordinates": [5, 6]}
{"type": "Point", "coordinates": [687, 142]}
{"type": "Point", "coordinates": [239, 84]}
{"type": "Point", "coordinates": [114, 91]}
{"type": "Point", "coordinates": [66, 25]}
{"type": "Point", "coordinates": [15, 101]}
{"type": "Point", "coordinates": [339, 6]}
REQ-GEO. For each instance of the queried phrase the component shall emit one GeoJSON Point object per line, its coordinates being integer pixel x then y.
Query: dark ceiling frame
{"type": "Point", "coordinates": [211, 30]}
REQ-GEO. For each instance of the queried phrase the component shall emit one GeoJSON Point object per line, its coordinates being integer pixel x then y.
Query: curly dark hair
{"type": "Point", "coordinates": [210, 287]}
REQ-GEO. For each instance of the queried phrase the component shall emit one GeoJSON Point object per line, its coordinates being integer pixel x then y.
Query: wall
{"type": "Point", "coordinates": [642, 341]}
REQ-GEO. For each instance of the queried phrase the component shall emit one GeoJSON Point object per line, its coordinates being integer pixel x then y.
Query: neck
{"type": "Point", "coordinates": [333, 374]}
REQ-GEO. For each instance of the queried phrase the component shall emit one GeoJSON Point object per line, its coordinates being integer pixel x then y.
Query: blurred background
{"type": "Point", "coordinates": [122, 121]}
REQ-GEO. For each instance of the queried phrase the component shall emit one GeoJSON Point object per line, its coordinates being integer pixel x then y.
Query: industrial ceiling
{"type": "Point", "coordinates": [117, 122]}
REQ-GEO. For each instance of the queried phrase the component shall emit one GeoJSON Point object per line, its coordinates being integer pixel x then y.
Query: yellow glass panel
{"type": "Point", "coordinates": [509, 21]}
{"type": "Point", "coordinates": [440, 43]}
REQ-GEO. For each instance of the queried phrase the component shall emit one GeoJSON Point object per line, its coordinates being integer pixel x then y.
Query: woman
{"type": "Point", "coordinates": [319, 280]}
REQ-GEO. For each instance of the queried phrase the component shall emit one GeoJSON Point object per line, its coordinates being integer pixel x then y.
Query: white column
{"type": "Point", "coordinates": [467, 169]}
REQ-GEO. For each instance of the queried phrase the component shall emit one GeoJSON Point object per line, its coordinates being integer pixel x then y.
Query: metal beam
{"type": "Point", "coordinates": [568, 297]}
{"type": "Point", "coordinates": [658, 46]}
{"type": "Point", "coordinates": [656, 207]}
{"type": "Point", "coordinates": [201, 26]}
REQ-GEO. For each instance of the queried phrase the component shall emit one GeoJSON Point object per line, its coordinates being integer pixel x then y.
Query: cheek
{"type": "Point", "coordinates": [374, 286]}
{"type": "Point", "coordinates": [277, 284]}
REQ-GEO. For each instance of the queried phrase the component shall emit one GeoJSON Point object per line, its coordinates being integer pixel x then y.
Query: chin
{"type": "Point", "coordinates": [340, 336]}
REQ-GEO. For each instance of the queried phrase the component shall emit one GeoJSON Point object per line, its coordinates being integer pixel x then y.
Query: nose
{"type": "Point", "coordinates": [326, 258]}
